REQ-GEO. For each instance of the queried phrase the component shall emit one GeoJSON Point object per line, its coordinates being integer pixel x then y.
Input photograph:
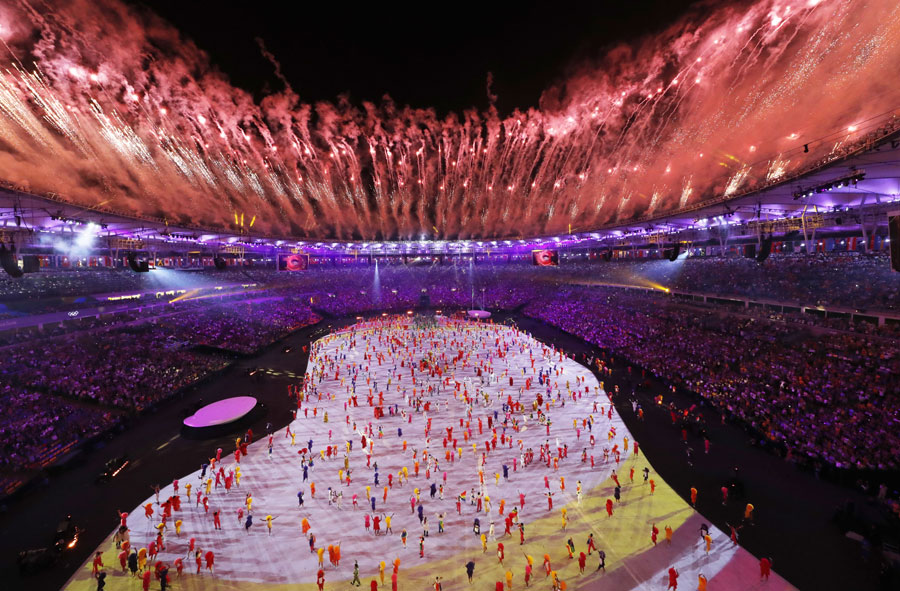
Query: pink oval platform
{"type": "Point", "coordinates": [221, 412]}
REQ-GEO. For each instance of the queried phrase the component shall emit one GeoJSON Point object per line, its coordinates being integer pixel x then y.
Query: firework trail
{"type": "Point", "coordinates": [104, 103]}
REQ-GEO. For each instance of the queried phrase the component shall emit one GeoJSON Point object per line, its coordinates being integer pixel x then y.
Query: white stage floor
{"type": "Point", "coordinates": [376, 354]}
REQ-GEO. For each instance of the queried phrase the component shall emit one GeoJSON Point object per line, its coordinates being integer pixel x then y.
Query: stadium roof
{"type": "Point", "coordinates": [122, 110]}
{"type": "Point", "coordinates": [861, 181]}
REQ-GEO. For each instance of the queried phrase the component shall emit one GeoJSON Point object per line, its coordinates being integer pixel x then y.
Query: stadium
{"type": "Point", "coordinates": [588, 297]}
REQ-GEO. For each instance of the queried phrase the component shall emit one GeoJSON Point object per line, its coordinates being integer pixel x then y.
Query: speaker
{"type": "Point", "coordinates": [136, 265]}
{"type": "Point", "coordinates": [9, 262]}
{"type": "Point", "coordinates": [750, 251]}
{"type": "Point", "coordinates": [894, 229]}
{"type": "Point", "coordinates": [607, 256]}
{"type": "Point", "coordinates": [765, 250]}
{"type": "Point", "coordinates": [31, 264]}
{"type": "Point", "coordinates": [673, 254]}
{"type": "Point", "coordinates": [424, 300]}
{"type": "Point", "coordinates": [220, 263]}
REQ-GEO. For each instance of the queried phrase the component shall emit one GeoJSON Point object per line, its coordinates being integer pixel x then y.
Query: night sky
{"type": "Point", "coordinates": [426, 54]}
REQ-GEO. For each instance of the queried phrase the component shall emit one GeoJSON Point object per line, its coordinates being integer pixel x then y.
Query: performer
{"type": "Point", "coordinates": [765, 568]}
{"type": "Point", "coordinates": [97, 563]}
{"type": "Point", "coordinates": [673, 579]}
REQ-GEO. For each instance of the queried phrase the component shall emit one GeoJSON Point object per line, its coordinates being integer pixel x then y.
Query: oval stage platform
{"type": "Point", "coordinates": [219, 417]}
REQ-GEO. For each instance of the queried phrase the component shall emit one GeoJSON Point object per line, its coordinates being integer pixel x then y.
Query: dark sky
{"type": "Point", "coordinates": [426, 54]}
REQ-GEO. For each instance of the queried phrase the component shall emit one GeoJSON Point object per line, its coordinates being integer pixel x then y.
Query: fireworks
{"type": "Point", "coordinates": [100, 112]}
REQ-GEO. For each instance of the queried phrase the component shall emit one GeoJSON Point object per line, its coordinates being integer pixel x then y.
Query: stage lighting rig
{"type": "Point", "coordinates": [847, 180]}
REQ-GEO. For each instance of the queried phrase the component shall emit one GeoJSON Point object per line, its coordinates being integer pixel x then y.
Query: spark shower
{"type": "Point", "coordinates": [105, 105]}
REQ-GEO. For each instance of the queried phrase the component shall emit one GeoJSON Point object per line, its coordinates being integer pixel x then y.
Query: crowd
{"type": "Point", "coordinates": [68, 282]}
{"type": "Point", "coordinates": [830, 400]}
{"type": "Point", "coordinates": [62, 386]}
{"type": "Point", "coordinates": [128, 367]}
{"type": "Point", "coordinates": [62, 282]}
{"type": "Point", "coordinates": [849, 280]}
{"type": "Point", "coordinates": [339, 292]}
{"type": "Point", "coordinates": [33, 425]}
{"type": "Point", "coordinates": [55, 290]}
{"type": "Point", "coordinates": [821, 399]}
{"type": "Point", "coordinates": [242, 326]}
{"type": "Point", "coordinates": [137, 362]}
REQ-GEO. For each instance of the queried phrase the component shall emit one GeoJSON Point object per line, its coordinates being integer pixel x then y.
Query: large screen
{"type": "Point", "coordinates": [292, 262]}
{"type": "Point", "coordinates": [545, 258]}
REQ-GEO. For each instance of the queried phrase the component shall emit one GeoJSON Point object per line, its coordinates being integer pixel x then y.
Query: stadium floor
{"type": "Point", "coordinates": [252, 557]}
